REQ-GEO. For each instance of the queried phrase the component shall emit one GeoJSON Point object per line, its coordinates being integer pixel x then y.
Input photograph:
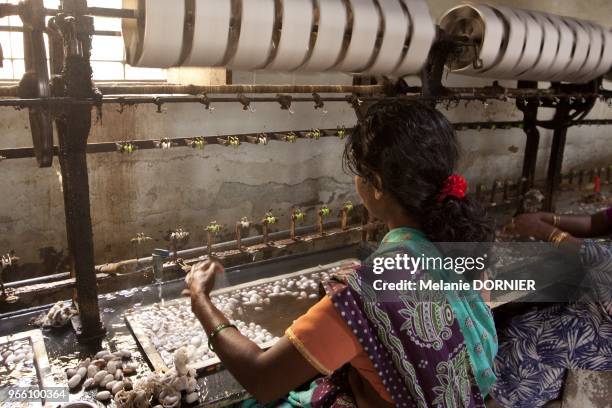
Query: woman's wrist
{"type": "Point", "coordinates": [206, 312]}
{"type": "Point", "coordinates": [545, 231]}
{"type": "Point", "coordinates": [200, 303]}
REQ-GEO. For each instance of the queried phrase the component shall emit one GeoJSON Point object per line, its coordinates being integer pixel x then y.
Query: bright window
{"type": "Point", "coordinates": [107, 58]}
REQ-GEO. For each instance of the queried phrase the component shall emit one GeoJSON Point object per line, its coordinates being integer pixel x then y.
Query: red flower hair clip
{"type": "Point", "coordinates": [454, 186]}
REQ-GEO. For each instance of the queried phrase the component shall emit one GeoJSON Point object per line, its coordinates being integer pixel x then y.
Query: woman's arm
{"type": "Point", "coordinates": [581, 226]}
{"type": "Point", "coordinates": [268, 375]}
{"type": "Point", "coordinates": [535, 226]}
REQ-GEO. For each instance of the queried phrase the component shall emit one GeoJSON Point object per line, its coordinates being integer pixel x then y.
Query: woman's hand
{"type": "Point", "coordinates": [529, 225]}
{"type": "Point", "coordinates": [201, 280]}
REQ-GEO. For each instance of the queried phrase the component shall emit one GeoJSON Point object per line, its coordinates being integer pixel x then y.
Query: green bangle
{"type": "Point", "coordinates": [216, 331]}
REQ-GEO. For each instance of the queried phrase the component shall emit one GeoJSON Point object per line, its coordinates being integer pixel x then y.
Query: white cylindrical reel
{"type": "Point", "coordinates": [212, 19]}
{"type": "Point", "coordinates": [589, 69]}
{"type": "Point", "coordinates": [514, 44]}
{"type": "Point", "coordinates": [333, 19]}
{"type": "Point", "coordinates": [581, 49]}
{"type": "Point", "coordinates": [422, 36]}
{"type": "Point", "coordinates": [148, 42]}
{"type": "Point", "coordinates": [605, 66]}
{"type": "Point", "coordinates": [487, 30]}
{"type": "Point", "coordinates": [297, 18]}
{"type": "Point", "coordinates": [566, 45]}
{"type": "Point", "coordinates": [534, 35]}
{"type": "Point", "coordinates": [366, 22]}
{"type": "Point", "coordinates": [548, 53]}
{"type": "Point", "coordinates": [396, 23]}
{"type": "Point", "coordinates": [255, 39]}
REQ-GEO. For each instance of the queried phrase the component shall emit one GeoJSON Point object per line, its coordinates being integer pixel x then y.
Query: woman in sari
{"type": "Point", "coordinates": [537, 348]}
{"type": "Point", "coordinates": [360, 347]}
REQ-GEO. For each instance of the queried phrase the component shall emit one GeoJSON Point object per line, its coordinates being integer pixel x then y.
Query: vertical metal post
{"type": "Point", "coordinates": [530, 117]}
{"type": "Point", "coordinates": [529, 107]}
{"type": "Point", "coordinates": [553, 180]}
{"type": "Point", "coordinates": [73, 127]}
{"type": "Point", "coordinates": [35, 82]}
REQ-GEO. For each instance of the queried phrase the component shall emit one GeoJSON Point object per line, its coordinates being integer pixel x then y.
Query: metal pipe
{"type": "Point", "coordinates": [105, 33]}
{"type": "Point", "coordinates": [489, 92]}
{"type": "Point", "coordinates": [110, 147]}
{"type": "Point", "coordinates": [186, 253]}
{"type": "Point", "coordinates": [160, 99]}
{"type": "Point", "coordinates": [239, 89]}
{"type": "Point", "coordinates": [110, 12]}
{"type": "Point", "coordinates": [14, 10]}
{"type": "Point", "coordinates": [39, 280]}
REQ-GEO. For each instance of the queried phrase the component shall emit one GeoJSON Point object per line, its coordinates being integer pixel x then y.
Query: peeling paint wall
{"type": "Point", "coordinates": [155, 191]}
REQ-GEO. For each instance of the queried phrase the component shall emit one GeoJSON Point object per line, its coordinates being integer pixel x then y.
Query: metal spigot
{"type": "Point", "coordinates": [159, 255]}
{"type": "Point", "coordinates": [7, 262]}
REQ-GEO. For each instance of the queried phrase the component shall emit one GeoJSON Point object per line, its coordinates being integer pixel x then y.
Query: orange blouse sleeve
{"type": "Point", "coordinates": [323, 338]}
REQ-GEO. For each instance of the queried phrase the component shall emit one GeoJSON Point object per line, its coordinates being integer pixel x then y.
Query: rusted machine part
{"type": "Point", "coordinates": [292, 228]}
{"type": "Point", "coordinates": [529, 107]}
{"type": "Point", "coordinates": [7, 262]}
{"type": "Point", "coordinates": [56, 48]}
{"type": "Point", "coordinates": [321, 223]}
{"type": "Point", "coordinates": [211, 241]}
{"type": "Point", "coordinates": [264, 229]}
{"type": "Point", "coordinates": [73, 126]}
{"type": "Point", "coordinates": [35, 82]}
{"type": "Point", "coordinates": [431, 76]}
{"type": "Point", "coordinates": [238, 89]}
{"type": "Point", "coordinates": [239, 236]}
{"type": "Point", "coordinates": [568, 112]}
{"type": "Point", "coordinates": [557, 151]}
{"type": "Point", "coordinates": [344, 222]}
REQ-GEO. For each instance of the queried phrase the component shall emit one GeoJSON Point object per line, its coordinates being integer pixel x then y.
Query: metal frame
{"type": "Point", "coordinates": [70, 96]}
{"type": "Point", "coordinates": [41, 359]}
{"type": "Point", "coordinates": [212, 365]}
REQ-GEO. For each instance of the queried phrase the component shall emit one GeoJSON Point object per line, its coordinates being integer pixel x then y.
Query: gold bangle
{"type": "Point", "coordinates": [556, 220]}
{"type": "Point", "coordinates": [558, 239]}
{"type": "Point", "coordinates": [552, 235]}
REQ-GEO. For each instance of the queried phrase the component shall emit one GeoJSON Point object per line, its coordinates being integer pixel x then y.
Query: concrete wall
{"type": "Point", "coordinates": [155, 191]}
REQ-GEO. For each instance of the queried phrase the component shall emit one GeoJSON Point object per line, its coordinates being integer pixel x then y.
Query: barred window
{"type": "Point", "coordinates": [108, 54]}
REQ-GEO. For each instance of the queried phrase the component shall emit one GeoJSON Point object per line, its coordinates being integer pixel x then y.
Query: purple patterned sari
{"type": "Point", "coordinates": [415, 340]}
{"type": "Point", "coordinates": [425, 365]}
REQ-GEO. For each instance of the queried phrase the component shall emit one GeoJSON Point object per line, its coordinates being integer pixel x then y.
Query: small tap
{"type": "Point", "coordinates": [314, 134]}
{"type": "Point", "coordinates": [268, 219]}
{"type": "Point", "coordinates": [347, 208]}
{"type": "Point", "coordinates": [204, 100]}
{"type": "Point", "coordinates": [7, 263]}
{"type": "Point", "coordinates": [196, 143]}
{"type": "Point", "coordinates": [164, 144]}
{"type": "Point", "coordinates": [212, 230]}
{"type": "Point", "coordinates": [244, 223]}
{"type": "Point", "coordinates": [319, 104]}
{"type": "Point", "coordinates": [177, 236]}
{"type": "Point", "coordinates": [285, 102]}
{"type": "Point", "coordinates": [138, 240]}
{"type": "Point", "coordinates": [159, 103]}
{"type": "Point", "coordinates": [246, 103]}
{"type": "Point", "coordinates": [159, 255]}
{"type": "Point", "coordinates": [323, 212]}
{"type": "Point", "coordinates": [126, 147]}
{"type": "Point", "coordinates": [297, 216]}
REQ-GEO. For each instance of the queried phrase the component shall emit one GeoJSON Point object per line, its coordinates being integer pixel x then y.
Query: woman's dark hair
{"type": "Point", "coordinates": [414, 150]}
